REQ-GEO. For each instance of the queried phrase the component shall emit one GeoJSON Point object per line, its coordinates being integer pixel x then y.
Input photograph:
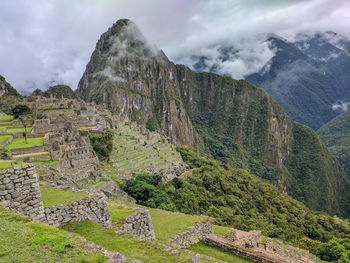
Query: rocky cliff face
{"type": "Point", "coordinates": [7, 89]}
{"type": "Point", "coordinates": [230, 120]}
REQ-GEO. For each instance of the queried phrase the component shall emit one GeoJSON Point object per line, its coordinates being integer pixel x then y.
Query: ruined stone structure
{"type": "Point", "coordinates": [74, 152]}
{"type": "Point", "coordinates": [94, 209]}
{"type": "Point", "coordinates": [250, 239]}
{"type": "Point", "coordinates": [140, 225]}
{"type": "Point", "coordinates": [200, 231]}
{"type": "Point", "coordinates": [19, 191]}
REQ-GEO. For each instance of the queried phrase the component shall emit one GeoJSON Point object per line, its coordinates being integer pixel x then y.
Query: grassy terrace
{"type": "Point", "coordinates": [5, 164]}
{"type": "Point", "coordinates": [127, 245]}
{"type": "Point", "coordinates": [4, 138]}
{"type": "Point", "coordinates": [52, 196]}
{"type": "Point", "coordinates": [24, 241]}
{"type": "Point", "coordinates": [202, 248]}
{"type": "Point", "coordinates": [20, 143]}
{"type": "Point", "coordinates": [6, 118]}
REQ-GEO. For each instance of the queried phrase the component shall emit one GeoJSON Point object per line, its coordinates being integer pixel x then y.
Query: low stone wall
{"type": "Point", "coordinates": [140, 225]}
{"type": "Point", "coordinates": [19, 191]}
{"type": "Point", "coordinates": [34, 149]}
{"type": "Point", "coordinates": [213, 241]}
{"type": "Point", "coordinates": [94, 209]}
{"type": "Point", "coordinates": [250, 239]}
{"type": "Point", "coordinates": [6, 141]}
{"type": "Point", "coordinates": [200, 231]}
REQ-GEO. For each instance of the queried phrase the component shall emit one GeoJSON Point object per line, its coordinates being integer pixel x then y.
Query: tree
{"type": "Point", "coordinates": [23, 113]}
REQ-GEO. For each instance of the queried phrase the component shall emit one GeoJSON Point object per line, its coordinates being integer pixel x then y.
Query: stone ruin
{"type": "Point", "coordinates": [140, 225]}
{"type": "Point", "coordinates": [19, 191]}
{"type": "Point", "coordinates": [250, 239]}
{"type": "Point", "coordinates": [76, 156]}
{"type": "Point", "coordinates": [200, 231]}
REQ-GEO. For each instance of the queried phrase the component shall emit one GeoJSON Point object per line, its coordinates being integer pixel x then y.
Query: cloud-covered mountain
{"type": "Point", "coordinates": [309, 77]}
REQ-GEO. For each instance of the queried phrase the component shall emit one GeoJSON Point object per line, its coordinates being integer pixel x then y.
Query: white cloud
{"type": "Point", "coordinates": [51, 41]}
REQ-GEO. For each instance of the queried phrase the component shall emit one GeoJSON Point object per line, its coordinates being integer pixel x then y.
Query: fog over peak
{"type": "Point", "coordinates": [45, 42]}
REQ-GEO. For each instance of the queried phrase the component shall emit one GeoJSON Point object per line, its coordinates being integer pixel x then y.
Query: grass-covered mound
{"type": "Point", "coordinates": [53, 196]}
{"type": "Point", "coordinates": [25, 241]}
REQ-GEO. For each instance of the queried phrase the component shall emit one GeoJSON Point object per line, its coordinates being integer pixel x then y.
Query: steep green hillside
{"type": "Point", "coordinates": [336, 135]}
{"type": "Point", "coordinates": [239, 199]}
{"type": "Point", "coordinates": [227, 119]}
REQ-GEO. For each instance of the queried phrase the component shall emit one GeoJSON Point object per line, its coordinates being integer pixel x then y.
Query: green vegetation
{"type": "Point", "coordinates": [4, 138]}
{"type": "Point", "coordinates": [25, 241]}
{"type": "Point", "coordinates": [335, 250]}
{"type": "Point", "coordinates": [5, 164]}
{"type": "Point", "coordinates": [202, 248]}
{"type": "Point", "coordinates": [15, 130]}
{"type": "Point", "coordinates": [152, 124]}
{"type": "Point", "coordinates": [49, 162]}
{"type": "Point", "coordinates": [20, 143]}
{"type": "Point", "coordinates": [127, 245]}
{"type": "Point", "coordinates": [221, 230]}
{"type": "Point", "coordinates": [6, 117]}
{"type": "Point", "coordinates": [53, 196]}
{"type": "Point", "coordinates": [241, 200]}
{"type": "Point", "coordinates": [167, 224]}
{"type": "Point", "coordinates": [118, 214]}
{"type": "Point", "coordinates": [102, 144]}
{"type": "Point", "coordinates": [23, 113]}
{"type": "Point", "coordinates": [143, 188]}
{"type": "Point", "coordinates": [335, 135]}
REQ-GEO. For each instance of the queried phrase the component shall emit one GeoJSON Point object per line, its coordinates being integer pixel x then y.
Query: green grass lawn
{"type": "Point", "coordinates": [127, 245]}
{"type": "Point", "coordinates": [221, 230]}
{"type": "Point", "coordinates": [20, 143]}
{"type": "Point", "coordinates": [49, 162]}
{"type": "Point", "coordinates": [5, 164]}
{"type": "Point", "coordinates": [4, 138]}
{"type": "Point", "coordinates": [6, 118]}
{"type": "Point", "coordinates": [52, 196]}
{"type": "Point", "coordinates": [202, 248]}
{"type": "Point", "coordinates": [119, 213]}
{"type": "Point", "coordinates": [15, 130]}
{"type": "Point", "coordinates": [26, 242]}
{"type": "Point", "coordinates": [167, 224]}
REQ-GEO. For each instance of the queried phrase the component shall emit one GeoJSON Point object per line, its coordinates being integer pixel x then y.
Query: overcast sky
{"type": "Point", "coordinates": [46, 42]}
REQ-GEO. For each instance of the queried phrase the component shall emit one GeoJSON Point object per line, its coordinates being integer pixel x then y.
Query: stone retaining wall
{"type": "Point", "coordinates": [243, 253]}
{"type": "Point", "coordinates": [200, 231]}
{"type": "Point", "coordinates": [94, 209]}
{"type": "Point", "coordinates": [140, 225]}
{"type": "Point", "coordinates": [19, 191]}
{"type": "Point", "coordinates": [34, 149]}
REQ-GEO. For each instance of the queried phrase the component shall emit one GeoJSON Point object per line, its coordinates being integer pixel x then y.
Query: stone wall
{"type": "Point", "coordinates": [250, 239]}
{"type": "Point", "coordinates": [140, 225]}
{"type": "Point", "coordinates": [94, 209]}
{"type": "Point", "coordinates": [214, 241]}
{"type": "Point", "coordinates": [200, 231]}
{"type": "Point", "coordinates": [44, 126]}
{"type": "Point", "coordinates": [34, 149]}
{"type": "Point", "coordinates": [19, 191]}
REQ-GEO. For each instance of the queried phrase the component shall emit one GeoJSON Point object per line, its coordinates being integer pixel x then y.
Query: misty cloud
{"type": "Point", "coordinates": [45, 42]}
{"type": "Point", "coordinates": [341, 106]}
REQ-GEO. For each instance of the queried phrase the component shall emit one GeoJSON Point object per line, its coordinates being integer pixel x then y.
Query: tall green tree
{"type": "Point", "coordinates": [23, 113]}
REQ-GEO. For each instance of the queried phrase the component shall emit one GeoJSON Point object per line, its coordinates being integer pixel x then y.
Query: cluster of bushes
{"type": "Point", "coordinates": [234, 197]}
{"type": "Point", "coordinates": [102, 144]}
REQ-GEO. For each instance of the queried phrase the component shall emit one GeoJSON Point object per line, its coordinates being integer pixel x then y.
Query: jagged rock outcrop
{"type": "Point", "coordinates": [230, 120]}
{"type": "Point", "coordinates": [7, 89]}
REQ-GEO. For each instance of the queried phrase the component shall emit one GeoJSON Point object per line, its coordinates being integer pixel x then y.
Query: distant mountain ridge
{"type": "Point", "coordinates": [306, 77]}
{"type": "Point", "coordinates": [230, 120]}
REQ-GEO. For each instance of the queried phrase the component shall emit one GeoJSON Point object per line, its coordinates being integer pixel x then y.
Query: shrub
{"type": "Point", "coordinates": [102, 144]}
